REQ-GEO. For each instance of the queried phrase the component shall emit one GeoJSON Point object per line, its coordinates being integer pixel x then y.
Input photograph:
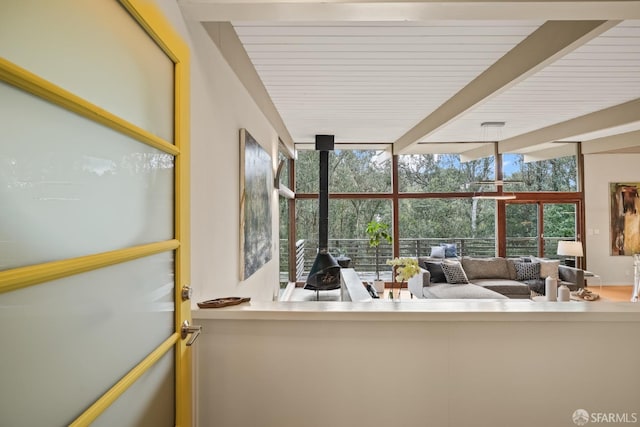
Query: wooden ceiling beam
{"type": "Point", "coordinates": [402, 11]}
{"type": "Point", "coordinates": [617, 115]}
{"type": "Point", "coordinates": [551, 41]}
{"type": "Point", "coordinates": [611, 144]}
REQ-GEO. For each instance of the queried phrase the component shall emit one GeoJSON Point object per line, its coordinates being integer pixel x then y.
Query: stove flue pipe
{"type": "Point", "coordinates": [325, 273]}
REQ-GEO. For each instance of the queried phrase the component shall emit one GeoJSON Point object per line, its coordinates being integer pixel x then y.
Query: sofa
{"type": "Point", "coordinates": [489, 278]}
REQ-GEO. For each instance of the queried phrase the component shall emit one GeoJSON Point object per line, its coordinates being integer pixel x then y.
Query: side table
{"type": "Point", "coordinates": [589, 275]}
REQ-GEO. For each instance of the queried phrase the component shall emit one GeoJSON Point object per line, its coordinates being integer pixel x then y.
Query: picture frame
{"type": "Point", "coordinates": [625, 218]}
{"type": "Point", "coordinates": [256, 187]}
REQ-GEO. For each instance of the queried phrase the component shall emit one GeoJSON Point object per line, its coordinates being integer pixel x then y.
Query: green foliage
{"type": "Point", "coordinates": [447, 217]}
{"type": "Point", "coordinates": [442, 173]}
{"type": "Point", "coordinates": [559, 174]}
{"type": "Point", "coordinates": [365, 171]}
{"type": "Point", "coordinates": [350, 171]}
{"type": "Point", "coordinates": [377, 232]}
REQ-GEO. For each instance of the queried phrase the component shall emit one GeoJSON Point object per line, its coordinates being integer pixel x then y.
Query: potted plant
{"type": "Point", "coordinates": [377, 232]}
{"type": "Point", "coordinates": [404, 269]}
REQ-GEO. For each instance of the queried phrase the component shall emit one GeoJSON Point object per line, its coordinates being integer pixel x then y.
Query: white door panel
{"type": "Point", "coordinates": [71, 187]}
{"type": "Point", "coordinates": [115, 65]}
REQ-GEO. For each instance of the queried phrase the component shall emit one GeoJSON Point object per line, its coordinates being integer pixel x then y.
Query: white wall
{"type": "Point", "coordinates": [317, 373]}
{"type": "Point", "coordinates": [220, 106]}
{"type": "Point", "coordinates": [600, 170]}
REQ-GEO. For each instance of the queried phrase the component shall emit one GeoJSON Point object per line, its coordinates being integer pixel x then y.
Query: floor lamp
{"type": "Point", "coordinates": [572, 249]}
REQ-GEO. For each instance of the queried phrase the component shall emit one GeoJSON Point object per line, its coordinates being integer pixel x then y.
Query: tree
{"type": "Point", "coordinates": [377, 232]}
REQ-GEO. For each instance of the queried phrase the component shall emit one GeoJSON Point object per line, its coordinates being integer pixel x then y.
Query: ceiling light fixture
{"type": "Point", "coordinates": [492, 131]}
{"type": "Point", "coordinates": [492, 124]}
{"type": "Point", "coordinates": [497, 182]}
{"type": "Point", "coordinates": [501, 197]}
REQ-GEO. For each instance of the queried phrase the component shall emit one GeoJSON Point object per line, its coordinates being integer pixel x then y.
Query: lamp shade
{"type": "Point", "coordinates": [569, 248]}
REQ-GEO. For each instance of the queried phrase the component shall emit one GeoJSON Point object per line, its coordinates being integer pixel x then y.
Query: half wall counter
{"type": "Point", "coordinates": [416, 363]}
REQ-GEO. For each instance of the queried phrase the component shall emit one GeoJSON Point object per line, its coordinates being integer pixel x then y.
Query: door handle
{"type": "Point", "coordinates": [193, 330]}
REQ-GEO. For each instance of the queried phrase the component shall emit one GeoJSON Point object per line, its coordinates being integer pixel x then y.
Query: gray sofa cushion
{"type": "Point", "coordinates": [510, 288]}
{"type": "Point", "coordinates": [467, 291]}
{"type": "Point", "coordinates": [573, 275]}
{"type": "Point", "coordinates": [486, 268]}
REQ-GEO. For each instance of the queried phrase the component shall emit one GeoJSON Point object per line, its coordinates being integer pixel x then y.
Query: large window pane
{"type": "Point", "coordinates": [348, 219]}
{"type": "Point", "coordinates": [442, 173]}
{"type": "Point", "coordinates": [350, 171]}
{"type": "Point", "coordinates": [284, 241]}
{"type": "Point", "coordinates": [559, 174]}
{"type": "Point", "coordinates": [522, 229]}
{"type": "Point", "coordinates": [559, 224]}
{"type": "Point", "coordinates": [468, 223]}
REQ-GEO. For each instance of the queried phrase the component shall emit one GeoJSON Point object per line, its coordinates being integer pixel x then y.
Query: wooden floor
{"type": "Point", "coordinates": [613, 293]}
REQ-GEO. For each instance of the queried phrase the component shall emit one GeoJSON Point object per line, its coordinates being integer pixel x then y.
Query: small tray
{"type": "Point", "coordinates": [223, 302]}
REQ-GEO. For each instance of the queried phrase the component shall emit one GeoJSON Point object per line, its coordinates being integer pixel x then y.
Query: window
{"type": "Point", "coordinates": [348, 219]}
{"type": "Point", "coordinates": [557, 174]}
{"type": "Point", "coordinates": [435, 202]}
{"type": "Point", "coordinates": [468, 223]}
{"type": "Point", "coordinates": [286, 201]}
{"type": "Point", "coordinates": [350, 171]}
{"type": "Point", "coordinates": [284, 241]}
{"type": "Point", "coordinates": [442, 173]}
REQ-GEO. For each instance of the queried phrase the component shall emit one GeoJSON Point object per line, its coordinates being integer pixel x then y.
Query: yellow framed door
{"type": "Point", "coordinates": [94, 215]}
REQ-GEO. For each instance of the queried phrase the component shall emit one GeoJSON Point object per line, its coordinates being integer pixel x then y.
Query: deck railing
{"type": "Point", "coordinates": [363, 257]}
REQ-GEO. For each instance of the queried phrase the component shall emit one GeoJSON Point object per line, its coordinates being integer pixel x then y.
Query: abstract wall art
{"type": "Point", "coordinates": [625, 218]}
{"type": "Point", "coordinates": [256, 186]}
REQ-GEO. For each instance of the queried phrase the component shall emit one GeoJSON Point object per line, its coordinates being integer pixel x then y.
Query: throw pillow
{"type": "Point", "coordinates": [527, 271]}
{"type": "Point", "coordinates": [454, 273]}
{"type": "Point", "coordinates": [435, 269]}
{"type": "Point", "coordinates": [450, 250]}
{"type": "Point", "coordinates": [437, 251]}
{"type": "Point", "coordinates": [548, 267]}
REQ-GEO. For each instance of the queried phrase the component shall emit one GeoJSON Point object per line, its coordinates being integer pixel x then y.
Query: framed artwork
{"type": "Point", "coordinates": [625, 218]}
{"type": "Point", "coordinates": [256, 186]}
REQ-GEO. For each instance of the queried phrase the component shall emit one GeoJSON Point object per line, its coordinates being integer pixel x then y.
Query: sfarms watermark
{"type": "Point", "coordinates": [582, 417]}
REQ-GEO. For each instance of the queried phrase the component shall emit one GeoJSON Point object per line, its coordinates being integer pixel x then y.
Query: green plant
{"type": "Point", "coordinates": [405, 269]}
{"type": "Point", "coordinates": [377, 232]}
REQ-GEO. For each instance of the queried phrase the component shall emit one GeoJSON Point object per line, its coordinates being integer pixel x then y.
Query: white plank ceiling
{"type": "Point", "coordinates": [370, 82]}
{"type": "Point", "coordinates": [602, 73]}
{"type": "Point", "coordinates": [373, 81]}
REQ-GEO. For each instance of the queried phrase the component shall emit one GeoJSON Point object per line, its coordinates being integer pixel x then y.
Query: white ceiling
{"type": "Point", "coordinates": [437, 80]}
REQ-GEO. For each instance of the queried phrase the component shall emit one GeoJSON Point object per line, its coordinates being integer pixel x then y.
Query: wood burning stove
{"type": "Point", "coordinates": [325, 272]}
